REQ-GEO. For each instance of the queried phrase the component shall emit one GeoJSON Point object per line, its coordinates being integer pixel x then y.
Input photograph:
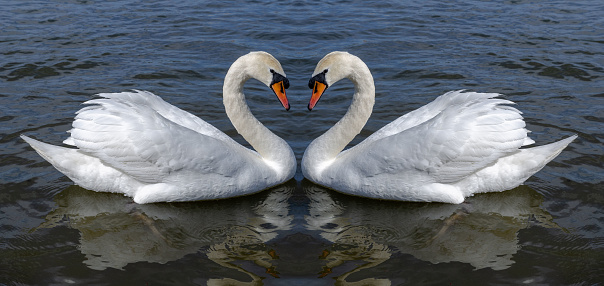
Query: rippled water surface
{"type": "Point", "coordinates": [547, 56]}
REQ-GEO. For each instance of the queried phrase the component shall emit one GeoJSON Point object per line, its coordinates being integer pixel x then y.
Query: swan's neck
{"type": "Point", "coordinates": [326, 148]}
{"type": "Point", "coordinates": [274, 150]}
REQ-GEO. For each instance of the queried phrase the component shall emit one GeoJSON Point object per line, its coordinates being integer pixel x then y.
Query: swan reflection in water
{"type": "Point", "coordinates": [115, 232]}
{"type": "Point", "coordinates": [361, 233]}
{"type": "Point", "coordinates": [482, 232]}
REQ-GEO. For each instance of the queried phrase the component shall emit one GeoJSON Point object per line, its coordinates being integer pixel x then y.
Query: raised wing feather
{"type": "Point", "coordinates": [429, 111]}
{"type": "Point", "coordinates": [132, 134]}
{"type": "Point", "coordinates": [456, 141]}
{"type": "Point", "coordinates": [166, 110]}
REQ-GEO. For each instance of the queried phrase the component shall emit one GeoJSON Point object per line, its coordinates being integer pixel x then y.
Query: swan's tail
{"type": "Point", "coordinates": [511, 171]}
{"type": "Point", "coordinates": [86, 171]}
{"type": "Point", "coordinates": [59, 157]}
{"type": "Point", "coordinates": [541, 155]}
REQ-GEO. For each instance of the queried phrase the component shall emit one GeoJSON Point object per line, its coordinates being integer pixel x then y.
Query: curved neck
{"type": "Point", "coordinates": [270, 147]}
{"type": "Point", "coordinates": [327, 146]}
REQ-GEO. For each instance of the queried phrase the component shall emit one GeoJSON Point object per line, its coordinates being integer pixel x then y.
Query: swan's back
{"type": "Point", "coordinates": [451, 137]}
{"type": "Point", "coordinates": [427, 154]}
{"type": "Point", "coordinates": [137, 144]}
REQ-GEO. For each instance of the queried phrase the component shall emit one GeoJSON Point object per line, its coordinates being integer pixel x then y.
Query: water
{"type": "Point", "coordinates": [546, 56]}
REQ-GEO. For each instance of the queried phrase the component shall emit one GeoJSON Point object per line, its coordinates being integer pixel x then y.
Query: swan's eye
{"type": "Point", "coordinates": [279, 78]}
{"type": "Point", "coordinates": [320, 77]}
{"type": "Point", "coordinates": [272, 70]}
{"type": "Point", "coordinates": [325, 71]}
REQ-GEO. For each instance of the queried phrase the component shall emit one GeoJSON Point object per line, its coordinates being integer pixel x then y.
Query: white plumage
{"type": "Point", "coordinates": [139, 145]}
{"type": "Point", "coordinates": [460, 144]}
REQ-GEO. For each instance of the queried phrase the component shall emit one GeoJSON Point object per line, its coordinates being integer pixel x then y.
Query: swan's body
{"type": "Point", "coordinates": [460, 144]}
{"type": "Point", "coordinates": [139, 145]}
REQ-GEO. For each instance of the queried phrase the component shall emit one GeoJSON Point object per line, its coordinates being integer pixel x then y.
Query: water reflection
{"type": "Point", "coordinates": [116, 232]}
{"type": "Point", "coordinates": [365, 233]}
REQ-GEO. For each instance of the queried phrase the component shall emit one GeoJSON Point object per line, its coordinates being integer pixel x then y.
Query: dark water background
{"type": "Point", "coordinates": [547, 56]}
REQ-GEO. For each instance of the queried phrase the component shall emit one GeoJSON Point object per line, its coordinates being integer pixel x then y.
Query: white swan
{"type": "Point", "coordinates": [460, 144]}
{"type": "Point", "coordinates": [137, 144]}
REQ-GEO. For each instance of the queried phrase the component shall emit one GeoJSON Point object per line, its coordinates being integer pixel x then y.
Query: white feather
{"type": "Point", "coordinates": [139, 145]}
{"type": "Point", "coordinates": [460, 144]}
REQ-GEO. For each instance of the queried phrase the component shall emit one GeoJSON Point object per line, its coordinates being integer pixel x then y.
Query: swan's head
{"type": "Point", "coordinates": [332, 68]}
{"type": "Point", "coordinates": [265, 68]}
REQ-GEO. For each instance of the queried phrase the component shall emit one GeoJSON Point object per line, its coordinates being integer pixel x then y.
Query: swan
{"type": "Point", "coordinates": [139, 145]}
{"type": "Point", "coordinates": [460, 144]}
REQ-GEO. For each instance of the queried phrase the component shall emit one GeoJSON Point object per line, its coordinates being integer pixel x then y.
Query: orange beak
{"type": "Point", "coordinates": [279, 90]}
{"type": "Point", "coordinates": [317, 91]}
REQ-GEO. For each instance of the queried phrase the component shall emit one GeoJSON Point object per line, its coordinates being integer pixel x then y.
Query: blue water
{"type": "Point", "coordinates": [548, 57]}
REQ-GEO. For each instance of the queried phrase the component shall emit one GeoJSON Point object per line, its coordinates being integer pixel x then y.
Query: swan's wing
{"type": "Point", "coordinates": [429, 111]}
{"type": "Point", "coordinates": [455, 143]}
{"type": "Point", "coordinates": [142, 143]}
{"type": "Point", "coordinates": [168, 111]}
